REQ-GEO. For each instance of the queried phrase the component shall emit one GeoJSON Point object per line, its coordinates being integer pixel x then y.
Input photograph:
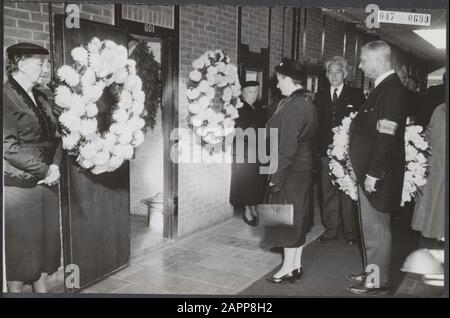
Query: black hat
{"type": "Point", "coordinates": [250, 83]}
{"type": "Point", "coordinates": [26, 48]}
{"type": "Point", "coordinates": [291, 68]}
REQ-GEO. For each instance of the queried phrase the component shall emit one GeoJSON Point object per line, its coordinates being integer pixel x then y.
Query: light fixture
{"type": "Point", "coordinates": [436, 37]}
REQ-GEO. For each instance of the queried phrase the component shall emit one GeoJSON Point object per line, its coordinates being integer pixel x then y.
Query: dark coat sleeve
{"type": "Point", "coordinates": [391, 109]}
{"type": "Point", "coordinates": [13, 152]}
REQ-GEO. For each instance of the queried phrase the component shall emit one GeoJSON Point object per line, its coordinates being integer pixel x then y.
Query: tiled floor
{"type": "Point", "coordinates": [224, 259]}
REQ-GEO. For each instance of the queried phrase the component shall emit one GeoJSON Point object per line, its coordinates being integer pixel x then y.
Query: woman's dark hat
{"type": "Point", "coordinates": [26, 48]}
{"type": "Point", "coordinates": [291, 68]}
{"type": "Point", "coordinates": [250, 83]}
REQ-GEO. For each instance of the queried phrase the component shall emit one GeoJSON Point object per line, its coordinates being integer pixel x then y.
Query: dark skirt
{"type": "Point", "coordinates": [248, 186]}
{"type": "Point", "coordinates": [32, 232]}
{"type": "Point", "coordinates": [297, 187]}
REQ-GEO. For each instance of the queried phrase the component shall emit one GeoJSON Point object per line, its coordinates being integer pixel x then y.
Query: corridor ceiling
{"type": "Point", "coordinates": [400, 34]}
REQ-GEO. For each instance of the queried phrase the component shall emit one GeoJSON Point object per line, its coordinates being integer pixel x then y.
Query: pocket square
{"type": "Point", "coordinates": [349, 106]}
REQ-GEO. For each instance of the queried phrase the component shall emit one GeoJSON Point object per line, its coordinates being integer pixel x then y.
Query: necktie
{"type": "Point", "coordinates": [335, 97]}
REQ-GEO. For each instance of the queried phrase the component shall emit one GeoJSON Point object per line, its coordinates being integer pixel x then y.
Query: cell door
{"type": "Point", "coordinates": [95, 208]}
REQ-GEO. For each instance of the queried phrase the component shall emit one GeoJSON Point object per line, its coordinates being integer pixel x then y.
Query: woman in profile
{"type": "Point", "coordinates": [247, 184]}
{"type": "Point", "coordinates": [32, 154]}
{"type": "Point", "coordinates": [295, 120]}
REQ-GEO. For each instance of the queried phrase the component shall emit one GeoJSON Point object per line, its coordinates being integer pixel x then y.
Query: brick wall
{"type": "Point", "coordinates": [29, 21]}
{"type": "Point", "coordinates": [255, 27]}
{"type": "Point", "coordinates": [203, 189]}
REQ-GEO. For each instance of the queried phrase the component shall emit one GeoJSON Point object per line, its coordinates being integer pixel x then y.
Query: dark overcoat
{"type": "Point", "coordinates": [295, 121]}
{"type": "Point", "coordinates": [31, 211]}
{"type": "Point", "coordinates": [377, 142]}
{"type": "Point", "coordinates": [248, 185]}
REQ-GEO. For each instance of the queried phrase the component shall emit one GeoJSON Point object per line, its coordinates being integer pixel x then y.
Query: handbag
{"type": "Point", "coordinates": [275, 214]}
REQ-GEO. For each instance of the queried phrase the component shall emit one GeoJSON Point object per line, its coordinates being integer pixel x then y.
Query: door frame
{"type": "Point", "coordinates": [169, 105]}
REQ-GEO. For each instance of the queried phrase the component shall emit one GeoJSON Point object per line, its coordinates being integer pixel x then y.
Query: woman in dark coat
{"type": "Point", "coordinates": [295, 120]}
{"type": "Point", "coordinates": [247, 184]}
{"type": "Point", "coordinates": [31, 154]}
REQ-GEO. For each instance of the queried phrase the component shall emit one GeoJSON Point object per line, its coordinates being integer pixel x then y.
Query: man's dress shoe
{"type": "Point", "coordinates": [361, 289]}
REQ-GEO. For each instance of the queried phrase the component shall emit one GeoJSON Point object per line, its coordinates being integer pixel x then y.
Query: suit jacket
{"type": "Point", "coordinates": [30, 142]}
{"type": "Point", "coordinates": [377, 142]}
{"type": "Point", "coordinates": [296, 122]}
{"type": "Point", "coordinates": [331, 114]}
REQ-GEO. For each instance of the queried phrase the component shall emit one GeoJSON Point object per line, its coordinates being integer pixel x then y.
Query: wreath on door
{"type": "Point", "coordinates": [98, 66]}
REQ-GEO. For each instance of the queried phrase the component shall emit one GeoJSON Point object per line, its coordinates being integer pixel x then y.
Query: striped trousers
{"type": "Point", "coordinates": [376, 239]}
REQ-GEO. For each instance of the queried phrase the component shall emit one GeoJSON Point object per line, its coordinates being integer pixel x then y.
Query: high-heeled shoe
{"type": "Point", "coordinates": [288, 277]}
{"type": "Point", "coordinates": [251, 222]}
{"type": "Point", "coordinates": [297, 273]}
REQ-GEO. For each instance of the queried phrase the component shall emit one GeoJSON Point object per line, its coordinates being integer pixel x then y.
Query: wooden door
{"type": "Point", "coordinates": [95, 208]}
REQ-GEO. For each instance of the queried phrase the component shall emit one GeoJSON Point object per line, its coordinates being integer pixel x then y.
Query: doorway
{"type": "Point", "coordinates": [147, 168]}
{"type": "Point", "coordinates": [153, 175]}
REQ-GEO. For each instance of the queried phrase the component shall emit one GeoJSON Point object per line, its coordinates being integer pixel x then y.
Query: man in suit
{"type": "Point", "coordinates": [377, 154]}
{"type": "Point", "coordinates": [333, 104]}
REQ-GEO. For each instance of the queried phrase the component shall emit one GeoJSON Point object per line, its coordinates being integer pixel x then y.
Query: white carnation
{"type": "Point", "coordinates": [94, 45]}
{"type": "Point", "coordinates": [138, 138]}
{"type": "Point", "coordinates": [212, 70]}
{"type": "Point", "coordinates": [197, 64]}
{"type": "Point", "coordinates": [88, 126]}
{"type": "Point", "coordinates": [118, 129]}
{"type": "Point", "coordinates": [91, 110]}
{"type": "Point", "coordinates": [138, 108]}
{"type": "Point", "coordinates": [125, 138]}
{"type": "Point", "coordinates": [69, 75]}
{"type": "Point", "coordinates": [195, 108]}
{"type": "Point", "coordinates": [71, 121]}
{"type": "Point", "coordinates": [80, 55]}
{"type": "Point", "coordinates": [63, 96]}
{"type": "Point", "coordinates": [211, 93]}
{"type": "Point", "coordinates": [195, 76]}
{"type": "Point", "coordinates": [114, 163]}
{"type": "Point", "coordinates": [203, 86]}
{"type": "Point", "coordinates": [135, 123]}
{"type": "Point", "coordinates": [124, 151]}
{"type": "Point", "coordinates": [120, 116]}
{"type": "Point", "coordinates": [86, 163]}
{"type": "Point", "coordinates": [88, 78]}
{"type": "Point", "coordinates": [139, 96]}
{"type": "Point", "coordinates": [71, 140]}
{"type": "Point", "coordinates": [88, 151]}
{"type": "Point", "coordinates": [193, 93]}
{"type": "Point", "coordinates": [197, 120]}
{"type": "Point", "coordinates": [227, 94]}
{"type": "Point", "coordinates": [110, 140]}
{"type": "Point", "coordinates": [101, 158]}
{"type": "Point", "coordinates": [120, 75]}
{"type": "Point", "coordinates": [131, 82]}
{"type": "Point", "coordinates": [204, 102]}
{"type": "Point", "coordinates": [100, 169]}
{"type": "Point", "coordinates": [125, 100]}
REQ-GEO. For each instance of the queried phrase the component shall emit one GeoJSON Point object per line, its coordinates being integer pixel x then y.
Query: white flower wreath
{"type": "Point", "coordinates": [417, 151]}
{"type": "Point", "coordinates": [98, 66]}
{"type": "Point", "coordinates": [213, 73]}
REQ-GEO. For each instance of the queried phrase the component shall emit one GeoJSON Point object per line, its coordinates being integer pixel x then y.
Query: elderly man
{"type": "Point", "coordinates": [333, 105]}
{"type": "Point", "coordinates": [377, 154]}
